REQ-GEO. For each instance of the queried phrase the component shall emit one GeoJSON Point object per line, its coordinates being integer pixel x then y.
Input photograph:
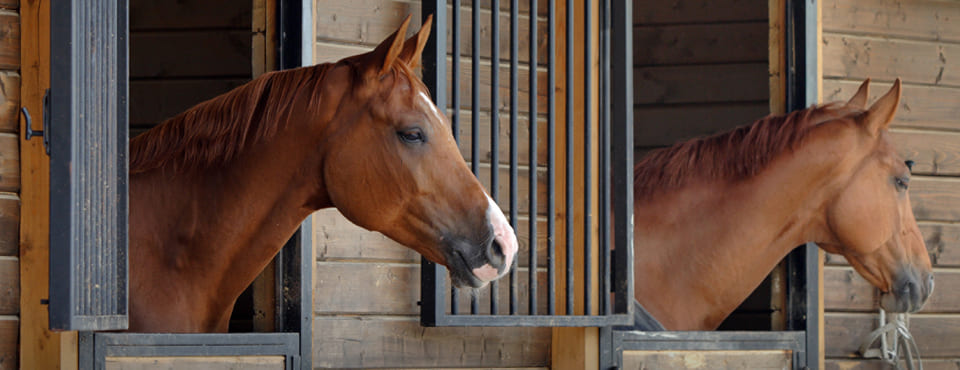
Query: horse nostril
{"type": "Point", "coordinates": [495, 254]}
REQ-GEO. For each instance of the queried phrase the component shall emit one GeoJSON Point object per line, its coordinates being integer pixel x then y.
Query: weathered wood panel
{"type": "Point", "coordinates": [700, 43]}
{"type": "Point", "coordinates": [770, 359]}
{"type": "Point", "coordinates": [196, 363]}
{"type": "Point", "coordinates": [9, 162]}
{"type": "Point", "coordinates": [9, 224]}
{"type": "Point", "coordinates": [188, 14]}
{"type": "Point", "coordinates": [942, 240]}
{"type": "Point", "coordinates": [700, 83]}
{"type": "Point", "coordinates": [933, 152]}
{"type": "Point", "coordinates": [925, 107]}
{"type": "Point", "coordinates": [9, 40]}
{"type": "Point", "coordinates": [9, 101]}
{"type": "Point", "coordinates": [8, 343]}
{"type": "Point", "coordinates": [9, 4]}
{"type": "Point", "coordinates": [916, 19]}
{"type": "Point", "coordinates": [345, 342]}
{"type": "Point", "coordinates": [928, 364]}
{"type": "Point", "coordinates": [483, 139]}
{"type": "Point", "coordinates": [394, 289]}
{"type": "Point", "coordinates": [153, 101]}
{"type": "Point", "coordinates": [666, 125]}
{"type": "Point", "coordinates": [850, 292]}
{"type": "Point", "coordinates": [858, 57]}
{"type": "Point", "coordinates": [211, 54]}
{"type": "Point", "coordinates": [936, 334]}
{"type": "Point", "coordinates": [935, 198]}
{"type": "Point", "coordinates": [9, 286]}
{"type": "Point", "coordinates": [485, 85]}
{"type": "Point", "coordinates": [698, 11]}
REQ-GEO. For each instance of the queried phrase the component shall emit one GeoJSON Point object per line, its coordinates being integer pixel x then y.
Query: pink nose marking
{"type": "Point", "coordinates": [486, 272]}
{"type": "Point", "coordinates": [504, 236]}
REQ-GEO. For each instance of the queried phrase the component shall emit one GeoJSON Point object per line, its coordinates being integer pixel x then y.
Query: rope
{"type": "Point", "coordinates": [893, 336]}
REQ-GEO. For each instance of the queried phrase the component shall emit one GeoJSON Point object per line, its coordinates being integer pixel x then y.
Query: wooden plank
{"type": "Point", "coordinates": [847, 291]}
{"type": "Point", "coordinates": [390, 341]}
{"type": "Point", "coordinates": [9, 162]}
{"type": "Point", "coordinates": [483, 139]}
{"type": "Point", "coordinates": [935, 198]}
{"type": "Point", "coordinates": [196, 363]}
{"type": "Point", "coordinates": [9, 4]}
{"type": "Point", "coordinates": [9, 224]}
{"type": "Point", "coordinates": [857, 57]}
{"type": "Point", "coordinates": [700, 44]}
{"type": "Point", "coordinates": [667, 125]}
{"type": "Point", "coordinates": [697, 11]}
{"type": "Point", "coordinates": [9, 101]}
{"type": "Point", "coordinates": [700, 84]}
{"type": "Point", "coordinates": [485, 85]}
{"type": "Point", "coordinates": [928, 364]}
{"type": "Point", "coordinates": [9, 40]}
{"type": "Point", "coordinates": [394, 289]}
{"type": "Point", "coordinates": [188, 14]}
{"type": "Point", "coordinates": [8, 343]}
{"type": "Point", "coordinates": [153, 101]}
{"type": "Point", "coordinates": [942, 240]}
{"type": "Point", "coordinates": [923, 107]}
{"type": "Point", "coordinates": [933, 152]}
{"type": "Point", "coordinates": [190, 54]}
{"type": "Point", "coordinates": [9, 286]}
{"type": "Point", "coordinates": [767, 359]}
{"type": "Point", "coordinates": [936, 334]}
{"type": "Point", "coordinates": [921, 20]}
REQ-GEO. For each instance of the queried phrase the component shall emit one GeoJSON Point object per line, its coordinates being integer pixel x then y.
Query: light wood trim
{"type": "Point", "coordinates": [821, 255]}
{"type": "Point", "coordinates": [777, 81]}
{"type": "Point", "coordinates": [39, 347]}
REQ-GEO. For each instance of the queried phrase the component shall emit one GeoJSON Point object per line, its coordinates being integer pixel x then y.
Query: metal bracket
{"type": "Point", "coordinates": [29, 133]}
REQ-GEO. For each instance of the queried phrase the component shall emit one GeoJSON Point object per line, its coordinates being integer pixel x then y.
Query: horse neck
{"type": "Point", "coordinates": [703, 248]}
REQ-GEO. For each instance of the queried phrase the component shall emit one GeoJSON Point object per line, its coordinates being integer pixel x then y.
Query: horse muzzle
{"type": "Point", "coordinates": [909, 292]}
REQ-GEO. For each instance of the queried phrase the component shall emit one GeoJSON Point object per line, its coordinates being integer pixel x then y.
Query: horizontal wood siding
{"type": "Point", "coordinates": [733, 360]}
{"type": "Point", "coordinates": [918, 41]}
{"type": "Point", "coordinates": [10, 183]}
{"type": "Point", "coordinates": [700, 68]}
{"type": "Point", "coordinates": [367, 287]}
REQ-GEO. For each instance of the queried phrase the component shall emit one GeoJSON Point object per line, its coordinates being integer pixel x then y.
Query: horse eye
{"type": "Point", "coordinates": [902, 183]}
{"type": "Point", "coordinates": [411, 136]}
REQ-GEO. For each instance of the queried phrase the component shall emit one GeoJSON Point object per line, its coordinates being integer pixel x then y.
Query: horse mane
{"type": "Point", "coordinates": [217, 130]}
{"type": "Point", "coordinates": [735, 155]}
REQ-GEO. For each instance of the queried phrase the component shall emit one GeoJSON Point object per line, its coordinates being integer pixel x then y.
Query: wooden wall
{"type": "Point", "coordinates": [918, 41]}
{"type": "Point", "coordinates": [9, 183]}
{"type": "Point", "coordinates": [366, 287]}
{"type": "Point", "coordinates": [185, 52]}
{"type": "Point", "coordinates": [701, 67]}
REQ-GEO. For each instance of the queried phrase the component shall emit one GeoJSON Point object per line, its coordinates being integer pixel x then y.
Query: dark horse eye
{"type": "Point", "coordinates": [411, 136]}
{"type": "Point", "coordinates": [909, 164]}
{"type": "Point", "coordinates": [902, 183]}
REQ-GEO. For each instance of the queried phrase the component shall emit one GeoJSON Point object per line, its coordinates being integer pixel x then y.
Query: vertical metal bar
{"type": "Point", "coordinates": [494, 123]}
{"type": "Point", "coordinates": [514, 173]}
{"type": "Point", "coordinates": [604, 216]}
{"type": "Point", "coordinates": [475, 112]}
{"type": "Point", "coordinates": [532, 279]}
{"type": "Point", "coordinates": [455, 117]}
{"type": "Point", "coordinates": [433, 279]}
{"type": "Point", "coordinates": [569, 151]}
{"type": "Point", "coordinates": [588, 154]}
{"type": "Point", "coordinates": [551, 153]}
{"type": "Point", "coordinates": [621, 106]}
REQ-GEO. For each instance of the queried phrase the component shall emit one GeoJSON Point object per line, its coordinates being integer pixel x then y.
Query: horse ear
{"type": "Point", "coordinates": [859, 99]}
{"type": "Point", "coordinates": [413, 47]}
{"type": "Point", "coordinates": [387, 52]}
{"type": "Point", "coordinates": [879, 116]}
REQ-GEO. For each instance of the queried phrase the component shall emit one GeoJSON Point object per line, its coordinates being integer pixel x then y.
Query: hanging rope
{"type": "Point", "coordinates": [893, 336]}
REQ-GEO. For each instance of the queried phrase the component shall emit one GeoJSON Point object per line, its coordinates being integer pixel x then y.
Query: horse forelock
{"type": "Point", "coordinates": [217, 130]}
{"type": "Point", "coordinates": [735, 155]}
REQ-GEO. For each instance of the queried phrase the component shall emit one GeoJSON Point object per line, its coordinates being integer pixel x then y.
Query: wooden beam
{"type": "Point", "coordinates": [40, 348]}
{"type": "Point", "coordinates": [778, 99]}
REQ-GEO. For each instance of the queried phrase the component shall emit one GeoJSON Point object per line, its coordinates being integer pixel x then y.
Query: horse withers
{"type": "Point", "coordinates": [217, 190]}
{"type": "Point", "coordinates": [713, 216]}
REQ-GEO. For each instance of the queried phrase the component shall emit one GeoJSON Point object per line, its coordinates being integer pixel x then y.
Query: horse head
{"type": "Point", "coordinates": [387, 141]}
{"type": "Point", "coordinates": [871, 220]}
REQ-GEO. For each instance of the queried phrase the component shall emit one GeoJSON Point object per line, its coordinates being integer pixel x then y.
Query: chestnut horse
{"type": "Point", "coordinates": [714, 216]}
{"type": "Point", "coordinates": [217, 190]}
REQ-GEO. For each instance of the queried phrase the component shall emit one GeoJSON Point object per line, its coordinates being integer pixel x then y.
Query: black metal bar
{"type": "Point", "coordinates": [588, 156]}
{"type": "Point", "coordinates": [568, 202]}
{"type": "Point", "coordinates": [494, 124]}
{"type": "Point", "coordinates": [475, 112]}
{"type": "Point", "coordinates": [532, 279]}
{"type": "Point", "coordinates": [604, 216]}
{"type": "Point", "coordinates": [551, 153]}
{"type": "Point", "coordinates": [455, 117]}
{"type": "Point", "coordinates": [621, 147]}
{"type": "Point", "coordinates": [514, 175]}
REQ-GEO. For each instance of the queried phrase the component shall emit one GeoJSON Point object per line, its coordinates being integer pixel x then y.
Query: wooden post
{"type": "Point", "coordinates": [40, 348]}
{"type": "Point", "coordinates": [778, 99]}
{"type": "Point", "coordinates": [578, 348]}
